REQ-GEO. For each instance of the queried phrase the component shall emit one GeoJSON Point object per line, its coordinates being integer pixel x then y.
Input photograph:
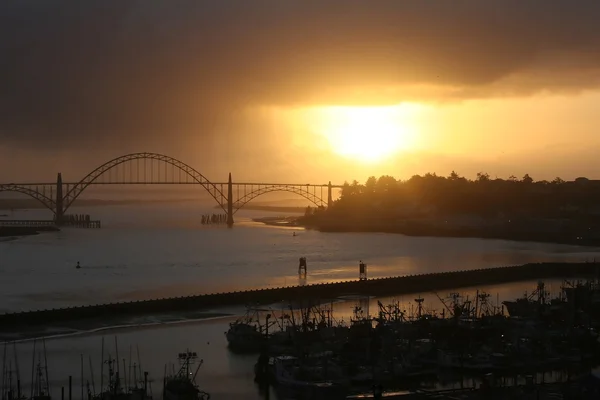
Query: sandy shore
{"type": "Point", "coordinates": [278, 221]}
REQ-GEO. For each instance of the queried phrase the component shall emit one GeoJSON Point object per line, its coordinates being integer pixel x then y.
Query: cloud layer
{"type": "Point", "coordinates": [99, 70]}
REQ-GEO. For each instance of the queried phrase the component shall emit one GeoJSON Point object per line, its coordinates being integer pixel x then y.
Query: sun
{"type": "Point", "coordinates": [365, 133]}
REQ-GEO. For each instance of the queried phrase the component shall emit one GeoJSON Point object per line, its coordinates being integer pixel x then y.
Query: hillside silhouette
{"type": "Point", "coordinates": [432, 205]}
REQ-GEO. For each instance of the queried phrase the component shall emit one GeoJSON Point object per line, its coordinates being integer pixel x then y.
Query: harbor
{"type": "Point", "coordinates": [471, 348]}
{"type": "Point", "coordinates": [534, 345]}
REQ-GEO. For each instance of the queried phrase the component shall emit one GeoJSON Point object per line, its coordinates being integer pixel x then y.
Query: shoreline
{"type": "Point", "coordinates": [429, 231]}
{"type": "Point", "coordinates": [279, 221]}
{"type": "Point", "coordinates": [76, 328]}
{"type": "Point", "coordinates": [458, 234]}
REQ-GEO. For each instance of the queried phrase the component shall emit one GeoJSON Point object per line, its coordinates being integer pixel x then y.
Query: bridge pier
{"type": "Point", "coordinates": [229, 202]}
{"type": "Point", "coordinates": [59, 211]}
{"type": "Point", "coordinates": [329, 198]}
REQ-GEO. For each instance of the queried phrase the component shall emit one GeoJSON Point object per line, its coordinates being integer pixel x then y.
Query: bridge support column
{"type": "Point", "coordinates": [329, 198]}
{"type": "Point", "coordinates": [59, 211]}
{"type": "Point", "coordinates": [229, 202]}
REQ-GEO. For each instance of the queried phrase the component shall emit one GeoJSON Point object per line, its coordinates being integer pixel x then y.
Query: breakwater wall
{"type": "Point", "coordinates": [421, 283]}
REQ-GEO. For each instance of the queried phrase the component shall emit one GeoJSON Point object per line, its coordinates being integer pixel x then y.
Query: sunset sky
{"type": "Point", "coordinates": [302, 91]}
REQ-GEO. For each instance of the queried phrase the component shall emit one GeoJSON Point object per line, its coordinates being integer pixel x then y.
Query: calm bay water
{"type": "Point", "coordinates": [158, 250]}
{"type": "Point", "coordinates": [152, 251]}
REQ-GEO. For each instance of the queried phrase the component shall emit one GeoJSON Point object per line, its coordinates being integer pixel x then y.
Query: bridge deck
{"type": "Point", "coordinates": [378, 287]}
{"type": "Point", "coordinates": [176, 182]}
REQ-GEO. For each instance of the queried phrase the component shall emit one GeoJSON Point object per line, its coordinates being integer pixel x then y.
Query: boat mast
{"type": "Point", "coordinates": [81, 383]}
{"type": "Point", "coordinates": [17, 371]}
{"type": "Point", "coordinates": [197, 369]}
{"type": "Point", "coordinates": [129, 370]}
{"type": "Point", "coordinates": [4, 372]}
{"type": "Point", "coordinates": [10, 381]}
{"type": "Point", "coordinates": [117, 381]}
{"type": "Point", "coordinates": [124, 375]}
{"type": "Point", "coordinates": [139, 360]}
{"type": "Point", "coordinates": [46, 368]}
{"type": "Point", "coordinates": [39, 377]}
{"type": "Point", "coordinates": [117, 359]}
{"type": "Point", "coordinates": [92, 375]}
{"type": "Point", "coordinates": [102, 367]}
{"type": "Point", "coordinates": [33, 370]}
{"type": "Point", "coordinates": [135, 382]}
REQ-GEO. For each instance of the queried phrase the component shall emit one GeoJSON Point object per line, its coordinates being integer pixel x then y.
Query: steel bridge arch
{"type": "Point", "coordinates": [42, 198]}
{"type": "Point", "coordinates": [313, 198]}
{"type": "Point", "coordinates": [79, 187]}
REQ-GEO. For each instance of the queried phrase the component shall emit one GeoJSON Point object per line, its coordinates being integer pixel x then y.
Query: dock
{"type": "Point", "coordinates": [27, 222]}
{"type": "Point", "coordinates": [32, 223]}
{"type": "Point", "coordinates": [379, 287]}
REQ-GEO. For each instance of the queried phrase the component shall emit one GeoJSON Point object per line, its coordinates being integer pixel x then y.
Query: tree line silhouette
{"type": "Point", "coordinates": [434, 195]}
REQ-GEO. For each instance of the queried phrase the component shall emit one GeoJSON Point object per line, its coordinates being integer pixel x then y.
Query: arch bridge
{"type": "Point", "coordinates": [159, 169]}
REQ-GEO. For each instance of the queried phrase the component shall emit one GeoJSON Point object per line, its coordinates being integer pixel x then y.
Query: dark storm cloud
{"type": "Point", "coordinates": [87, 71]}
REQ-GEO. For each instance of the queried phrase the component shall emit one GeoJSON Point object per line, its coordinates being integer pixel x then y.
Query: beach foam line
{"type": "Point", "coordinates": [118, 327]}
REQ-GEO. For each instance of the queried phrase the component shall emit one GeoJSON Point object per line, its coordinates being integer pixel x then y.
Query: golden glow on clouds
{"type": "Point", "coordinates": [545, 136]}
{"type": "Point", "coordinates": [369, 134]}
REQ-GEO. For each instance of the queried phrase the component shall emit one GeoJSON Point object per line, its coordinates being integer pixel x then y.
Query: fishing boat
{"type": "Point", "coordinates": [114, 389]}
{"type": "Point", "coordinates": [246, 333]}
{"type": "Point", "coordinates": [121, 385]}
{"type": "Point", "coordinates": [582, 295]}
{"type": "Point", "coordinates": [314, 377]}
{"type": "Point", "coordinates": [528, 306]}
{"type": "Point", "coordinates": [40, 386]}
{"type": "Point", "coordinates": [182, 385]}
{"type": "Point", "coordinates": [139, 392]}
